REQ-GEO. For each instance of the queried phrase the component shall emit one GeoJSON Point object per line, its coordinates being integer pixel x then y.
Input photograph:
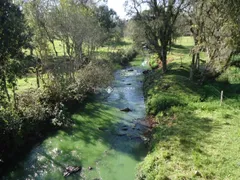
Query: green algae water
{"type": "Point", "coordinates": [103, 137]}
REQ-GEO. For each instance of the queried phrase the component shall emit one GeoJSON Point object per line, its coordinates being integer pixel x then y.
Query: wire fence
{"type": "Point", "coordinates": [222, 101]}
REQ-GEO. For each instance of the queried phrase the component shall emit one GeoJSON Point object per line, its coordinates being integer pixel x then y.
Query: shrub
{"type": "Point", "coordinates": [153, 61]}
{"type": "Point", "coordinates": [9, 130]}
{"type": "Point", "coordinates": [162, 102]}
{"type": "Point", "coordinates": [96, 74]}
{"type": "Point", "coordinates": [231, 75]}
{"type": "Point", "coordinates": [31, 105]}
{"type": "Point", "coordinates": [123, 57]}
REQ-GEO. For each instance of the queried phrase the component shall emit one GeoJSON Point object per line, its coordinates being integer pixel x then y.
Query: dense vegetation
{"type": "Point", "coordinates": [51, 60]}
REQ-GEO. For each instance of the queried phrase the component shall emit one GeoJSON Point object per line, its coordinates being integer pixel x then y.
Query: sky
{"type": "Point", "coordinates": [118, 6]}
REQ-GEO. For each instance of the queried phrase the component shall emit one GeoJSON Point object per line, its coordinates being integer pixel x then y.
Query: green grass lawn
{"type": "Point", "coordinates": [26, 83]}
{"type": "Point", "coordinates": [195, 138]}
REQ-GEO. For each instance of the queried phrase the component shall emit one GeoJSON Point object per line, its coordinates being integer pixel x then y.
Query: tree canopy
{"type": "Point", "coordinates": [14, 37]}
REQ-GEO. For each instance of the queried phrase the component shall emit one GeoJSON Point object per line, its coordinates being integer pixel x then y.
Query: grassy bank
{"type": "Point", "coordinates": [195, 138]}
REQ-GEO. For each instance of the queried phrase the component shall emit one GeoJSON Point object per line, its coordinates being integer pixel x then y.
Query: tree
{"type": "Point", "coordinates": [136, 33]}
{"type": "Point", "coordinates": [158, 22]}
{"type": "Point", "coordinates": [75, 25]}
{"type": "Point", "coordinates": [14, 37]}
{"type": "Point", "coordinates": [106, 17]}
{"type": "Point", "coordinates": [196, 24]}
{"type": "Point", "coordinates": [215, 29]}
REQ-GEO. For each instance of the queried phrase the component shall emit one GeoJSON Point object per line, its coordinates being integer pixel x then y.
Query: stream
{"type": "Point", "coordinates": [106, 142]}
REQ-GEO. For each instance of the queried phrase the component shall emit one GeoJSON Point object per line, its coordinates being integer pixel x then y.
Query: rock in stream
{"type": "Point", "coordinates": [126, 109]}
{"type": "Point", "coordinates": [71, 170]}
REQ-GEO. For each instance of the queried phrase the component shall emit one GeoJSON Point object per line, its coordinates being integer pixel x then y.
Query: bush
{"type": "Point", "coordinates": [32, 107]}
{"type": "Point", "coordinates": [98, 73]}
{"type": "Point", "coordinates": [231, 75]}
{"type": "Point", "coordinates": [123, 57]}
{"type": "Point", "coordinates": [9, 130]}
{"type": "Point", "coordinates": [153, 61]}
{"type": "Point", "coordinates": [33, 117]}
{"type": "Point", "coordinates": [161, 103]}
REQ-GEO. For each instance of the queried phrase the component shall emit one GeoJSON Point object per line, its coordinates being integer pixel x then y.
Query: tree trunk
{"type": "Point", "coordinates": [79, 50]}
{"type": "Point", "coordinates": [54, 47]}
{"type": "Point", "coordinates": [170, 46]}
{"type": "Point", "coordinates": [64, 48]}
{"type": "Point", "coordinates": [68, 48]}
{"type": "Point", "coordinates": [197, 61]}
{"type": "Point", "coordinates": [37, 77]}
{"type": "Point", "coordinates": [164, 59]}
{"type": "Point", "coordinates": [49, 37]}
{"type": "Point", "coordinates": [31, 51]}
{"type": "Point", "coordinates": [5, 87]}
{"type": "Point", "coordinates": [192, 69]}
{"type": "Point", "coordinates": [14, 97]}
{"type": "Point", "coordinates": [164, 66]}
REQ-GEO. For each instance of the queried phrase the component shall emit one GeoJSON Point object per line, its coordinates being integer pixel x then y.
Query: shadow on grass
{"type": "Point", "coordinates": [181, 69]}
{"type": "Point", "coordinates": [210, 89]}
{"type": "Point", "coordinates": [179, 46]}
{"type": "Point", "coordinates": [184, 50]}
{"type": "Point", "coordinates": [180, 123]}
{"type": "Point", "coordinates": [177, 82]}
{"type": "Point", "coordinates": [186, 127]}
{"type": "Point", "coordinates": [119, 43]}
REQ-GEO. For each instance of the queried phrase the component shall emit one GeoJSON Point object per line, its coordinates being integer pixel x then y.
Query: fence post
{"type": "Point", "coordinates": [221, 98]}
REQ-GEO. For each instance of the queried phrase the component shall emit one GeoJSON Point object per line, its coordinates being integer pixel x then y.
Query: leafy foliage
{"type": "Point", "coordinates": [14, 37]}
{"type": "Point", "coordinates": [123, 57]}
{"type": "Point", "coordinates": [153, 61]}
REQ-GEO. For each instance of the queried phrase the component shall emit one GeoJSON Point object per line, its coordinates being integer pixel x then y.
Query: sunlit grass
{"type": "Point", "coordinates": [26, 83]}
{"type": "Point", "coordinates": [185, 41]}
{"type": "Point", "coordinates": [196, 137]}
